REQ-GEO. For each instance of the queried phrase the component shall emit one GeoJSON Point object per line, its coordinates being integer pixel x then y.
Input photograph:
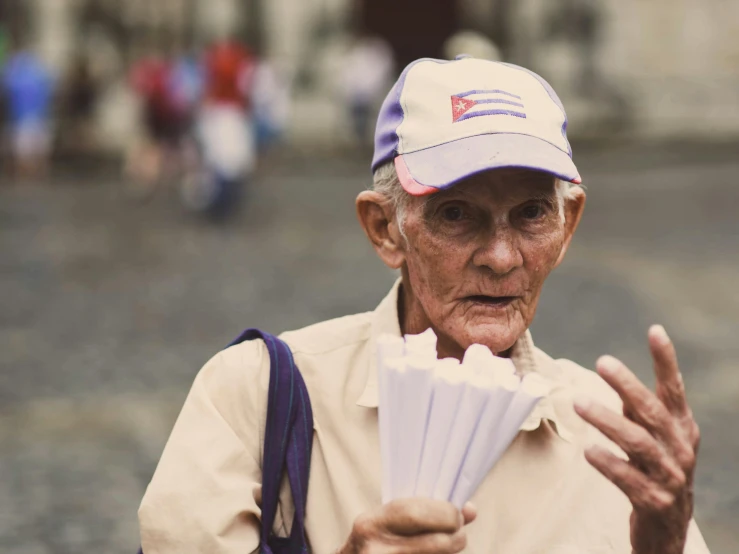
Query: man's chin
{"type": "Point", "coordinates": [497, 336]}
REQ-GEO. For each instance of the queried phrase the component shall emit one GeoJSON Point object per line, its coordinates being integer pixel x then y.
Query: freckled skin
{"type": "Point", "coordinates": [498, 233]}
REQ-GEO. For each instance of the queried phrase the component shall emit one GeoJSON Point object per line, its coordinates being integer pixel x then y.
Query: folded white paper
{"type": "Point", "coordinates": [443, 425]}
{"type": "Point", "coordinates": [423, 344]}
{"type": "Point", "coordinates": [397, 416]}
{"type": "Point", "coordinates": [417, 388]}
{"type": "Point", "coordinates": [474, 399]}
{"type": "Point", "coordinates": [531, 390]}
{"type": "Point", "coordinates": [388, 347]}
{"type": "Point", "coordinates": [480, 360]}
{"type": "Point", "coordinates": [448, 389]}
{"type": "Point", "coordinates": [501, 385]}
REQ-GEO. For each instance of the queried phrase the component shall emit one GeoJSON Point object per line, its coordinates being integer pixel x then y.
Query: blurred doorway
{"type": "Point", "coordinates": [413, 28]}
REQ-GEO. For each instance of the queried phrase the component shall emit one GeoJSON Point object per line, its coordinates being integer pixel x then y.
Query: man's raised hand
{"type": "Point", "coordinates": [659, 435]}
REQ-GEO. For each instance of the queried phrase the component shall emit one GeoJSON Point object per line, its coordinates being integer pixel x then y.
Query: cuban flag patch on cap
{"type": "Point", "coordinates": [476, 103]}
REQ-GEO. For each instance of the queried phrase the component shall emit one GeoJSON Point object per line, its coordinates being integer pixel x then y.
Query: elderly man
{"type": "Point", "coordinates": [475, 200]}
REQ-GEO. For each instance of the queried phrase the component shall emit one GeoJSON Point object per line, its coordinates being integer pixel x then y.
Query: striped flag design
{"type": "Point", "coordinates": [475, 103]}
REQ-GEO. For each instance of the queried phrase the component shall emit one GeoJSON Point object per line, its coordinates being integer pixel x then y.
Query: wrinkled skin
{"type": "Point", "coordinates": [499, 234]}
{"type": "Point", "coordinates": [473, 265]}
{"type": "Point", "coordinates": [496, 234]}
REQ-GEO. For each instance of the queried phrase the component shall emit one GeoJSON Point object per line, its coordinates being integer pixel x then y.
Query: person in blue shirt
{"type": "Point", "coordinates": [28, 87]}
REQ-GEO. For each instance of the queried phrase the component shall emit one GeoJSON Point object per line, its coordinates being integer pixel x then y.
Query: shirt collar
{"type": "Point", "coordinates": [384, 320]}
{"type": "Point", "coordinates": [524, 355]}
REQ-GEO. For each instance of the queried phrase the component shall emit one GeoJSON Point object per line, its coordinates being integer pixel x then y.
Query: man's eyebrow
{"type": "Point", "coordinates": [429, 203]}
{"type": "Point", "coordinates": [434, 200]}
{"type": "Point", "coordinates": [548, 197]}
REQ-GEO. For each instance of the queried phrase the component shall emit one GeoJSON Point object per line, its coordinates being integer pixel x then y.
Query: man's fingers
{"type": "Point", "coordinates": [629, 413]}
{"type": "Point", "coordinates": [432, 543]}
{"type": "Point", "coordinates": [415, 516]}
{"type": "Point", "coordinates": [411, 525]}
{"type": "Point", "coordinates": [670, 386]}
{"type": "Point", "coordinates": [644, 494]}
{"type": "Point", "coordinates": [640, 403]}
{"type": "Point", "coordinates": [643, 450]}
{"type": "Point", "coordinates": [469, 512]}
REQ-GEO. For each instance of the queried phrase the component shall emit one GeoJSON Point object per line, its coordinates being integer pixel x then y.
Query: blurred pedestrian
{"type": "Point", "coordinates": [150, 157]}
{"type": "Point", "coordinates": [80, 103]}
{"type": "Point", "coordinates": [473, 44]}
{"type": "Point", "coordinates": [225, 131]}
{"type": "Point", "coordinates": [270, 96]}
{"type": "Point", "coordinates": [229, 73]}
{"type": "Point", "coordinates": [187, 85]}
{"type": "Point", "coordinates": [28, 86]}
{"type": "Point", "coordinates": [368, 69]}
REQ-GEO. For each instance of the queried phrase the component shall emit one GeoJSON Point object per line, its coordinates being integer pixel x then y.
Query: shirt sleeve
{"type": "Point", "coordinates": [695, 543]}
{"type": "Point", "coordinates": [204, 496]}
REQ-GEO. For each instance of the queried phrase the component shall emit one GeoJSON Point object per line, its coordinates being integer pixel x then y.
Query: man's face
{"type": "Point", "coordinates": [478, 253]}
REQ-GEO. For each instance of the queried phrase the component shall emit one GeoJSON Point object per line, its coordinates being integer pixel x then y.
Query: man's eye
{"type": "Point", "coordinates": [452, 213]}
{"type": "Point", "coordinates": [533, 211]}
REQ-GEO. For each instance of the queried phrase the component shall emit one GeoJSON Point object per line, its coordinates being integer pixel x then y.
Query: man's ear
{"type": "Point", "coordinates": [377, 218]}
{"type": "Point", "coordinates": [573, 208]}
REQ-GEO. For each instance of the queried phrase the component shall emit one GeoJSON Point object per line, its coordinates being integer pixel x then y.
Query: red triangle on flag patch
{"type": "Point", "coordinates": [460, 106]}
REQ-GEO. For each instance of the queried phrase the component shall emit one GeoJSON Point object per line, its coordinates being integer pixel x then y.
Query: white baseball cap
{"type": "Point", "coordinates": [444, 121]}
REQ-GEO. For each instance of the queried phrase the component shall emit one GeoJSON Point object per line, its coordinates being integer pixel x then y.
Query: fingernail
{"type": "Point", "coordinates": [469, 506]}
{"type": "Point", "coordinates": [608, 364]}
{"type": "Point", "coordinates": [659, 333]}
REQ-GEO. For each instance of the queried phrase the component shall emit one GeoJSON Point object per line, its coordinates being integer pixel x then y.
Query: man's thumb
{"type": "Point", "coordinates": [469, 512]}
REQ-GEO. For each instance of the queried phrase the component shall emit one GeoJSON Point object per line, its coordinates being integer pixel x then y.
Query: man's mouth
{"type": "Point", "coordinates": [493, 301]}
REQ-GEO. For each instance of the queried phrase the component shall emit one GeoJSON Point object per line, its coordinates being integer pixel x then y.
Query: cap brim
{"type": "Point", "coordinates": [439, 167]}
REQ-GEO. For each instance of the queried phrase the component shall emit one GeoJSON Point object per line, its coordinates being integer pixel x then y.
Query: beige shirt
{"type": "Point", "coordinates": [542, 497]}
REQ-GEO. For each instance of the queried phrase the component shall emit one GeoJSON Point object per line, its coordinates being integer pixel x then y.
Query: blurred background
{"type": "Point", "coordinates": [176, 170]}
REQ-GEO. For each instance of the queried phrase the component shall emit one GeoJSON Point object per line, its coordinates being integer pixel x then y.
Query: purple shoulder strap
{"type": "Point", "coordinates": [288, 439]}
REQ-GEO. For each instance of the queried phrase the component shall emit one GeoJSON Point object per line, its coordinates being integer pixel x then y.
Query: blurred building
{"type": "Point", "coordinates": [659, 69]}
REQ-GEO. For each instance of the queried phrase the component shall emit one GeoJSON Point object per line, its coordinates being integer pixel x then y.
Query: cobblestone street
{"type": "Point", "coordinates": [109, 307]}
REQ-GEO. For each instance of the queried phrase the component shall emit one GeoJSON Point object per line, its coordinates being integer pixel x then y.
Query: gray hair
{"type": "Point", "coordinates": [386, 182]}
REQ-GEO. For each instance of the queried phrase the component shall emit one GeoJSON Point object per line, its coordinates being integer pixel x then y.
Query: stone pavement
{"type": "Point", "coordinates": [108, 309]}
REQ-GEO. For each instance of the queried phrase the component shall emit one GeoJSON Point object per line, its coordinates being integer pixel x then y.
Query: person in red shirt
{"type": "Point", "coordinates": [151, 78]}
{"type": "Point", "coordinates": [224, 130]}
{"type": "Point", "coordinates": [165, 122]}
{"type": "Point", "coordinates": [229, 71]}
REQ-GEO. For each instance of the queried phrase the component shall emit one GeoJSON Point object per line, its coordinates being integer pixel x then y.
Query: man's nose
{"type": "Point", "coordinates": [499, 252]}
